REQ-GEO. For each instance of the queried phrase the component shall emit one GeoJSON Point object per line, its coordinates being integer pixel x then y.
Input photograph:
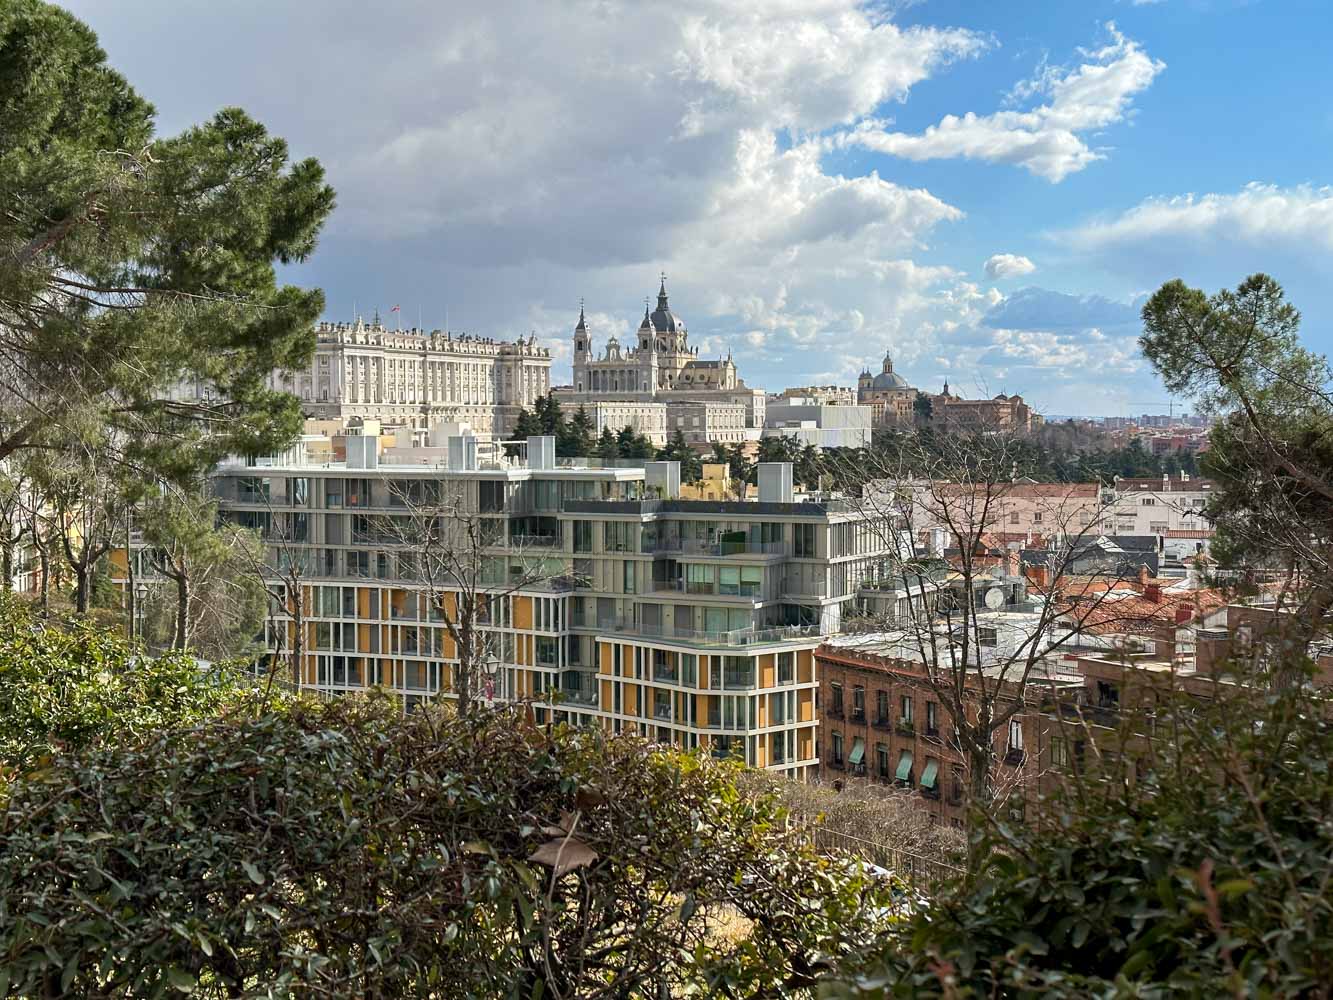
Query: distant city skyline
{"type": "Point", "coordinates": [988, 192]}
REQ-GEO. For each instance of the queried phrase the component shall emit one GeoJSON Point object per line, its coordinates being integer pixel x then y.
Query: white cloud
{"type": "Point", "coordinates": [1262, 214]}
{"type": "Point", "coordinates": [1008, 265]}
{"type": "Point", "coordinates": [1047, 140]}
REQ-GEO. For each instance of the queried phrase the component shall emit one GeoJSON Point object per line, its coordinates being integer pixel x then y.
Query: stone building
{"type": "Point", "coordinates": [416, 378]}
{"type": "Point", "coordinates": [660, 367]}
{"type": "Point", "coordinates": [950, 412]}
{"type": "Point", "coordinates": [891, 399]}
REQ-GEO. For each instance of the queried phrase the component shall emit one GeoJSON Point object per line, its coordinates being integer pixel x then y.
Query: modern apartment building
{"type": "Point", "coordinates": [691, 622]}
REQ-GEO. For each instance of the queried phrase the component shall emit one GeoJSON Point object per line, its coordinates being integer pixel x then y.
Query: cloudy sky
{"type": "Point", "coordinates": [988, 189]}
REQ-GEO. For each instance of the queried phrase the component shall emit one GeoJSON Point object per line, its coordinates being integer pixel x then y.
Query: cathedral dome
{"type": "Point", "coordinates": [888, 378]}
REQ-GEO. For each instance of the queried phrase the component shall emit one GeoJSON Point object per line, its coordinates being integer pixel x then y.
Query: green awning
{"type": "Point", "coordinates": [858, 753]}
{"type": "Point", "coordinates": [929, 775]}
{"type": "Point", "coordinates": [904, 766]}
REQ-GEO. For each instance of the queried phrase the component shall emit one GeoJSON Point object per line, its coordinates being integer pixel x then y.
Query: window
{"type": "Point", "coordinates": [988, 637]}
{"type": "Point", "coordinates": [1015, 735]}
{"type": "Point", "coordinates": [930, 777]}
{"type": "Point", "coordinates": [905, 711]}
{"type": "Point", "coordinates": [882, 760]}
{"type": "Point", "coordinates": [786, 668]}
{"type": "Point", "coordinates": [582, 536]}
{"type": "Point", "coordinates": [835, 708]}
{"type": "Point", "coordinates": [299, 493]}
{"type": "Point", "coordinates": [252, 489]}
{"type": "Point", "coordinates": [698, 579]}
{"type": "Point", "coordinates": [1149, 501]}
{"type": "Point", "coordinates": [904, 772]}
{"type": "Point", "coordinates": [1036, 518]}
{"type": "Point", "coordinates": [881, 707]}
{"type": "Point", "coordinates": [932, 719]}
{"type": "Point", "coordinates": [629, 576]}
{"type": "Point", "coordinates": [857, 757]}
{"type": "Point", "coordinates": [1059, 752]}
{"type": "Point", "coordinates": [859, 703]}
{"type": "Point", "coordinates": [1013, 518]}
{"type": "Point", "coordinates": [491, 497]}
{"type": "Point", "coordinates": [837, 749]}
{"type": "Point", "coordinates": [803, 541]}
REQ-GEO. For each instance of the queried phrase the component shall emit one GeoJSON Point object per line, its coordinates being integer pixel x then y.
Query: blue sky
{"type": "Point", "coordinates": [792, 165]}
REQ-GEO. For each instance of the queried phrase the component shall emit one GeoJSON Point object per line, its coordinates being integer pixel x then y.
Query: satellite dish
{"type": "Point", "coordinates": [995, 598]}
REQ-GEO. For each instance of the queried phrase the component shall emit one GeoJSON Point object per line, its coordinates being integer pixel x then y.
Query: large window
{"type": "Point", "coordinates": [786, 668]}
{"type": "Point", "coordinates": [747, 581]}
{"type": "Point", "coordinates": [491, 496]}
{"type": "Point", "coordinates": [835, 708]}
{"type": "Point", "coordinates": [881, 707]}
{"type": "Point", "coordinates": [738, 672]}
{"type": "Point", "coordinates": [858, 703]}
{"type": "Point", "coordinates": [837, 749]}
{"type": "Point", "coordinates": [803, 541]}
{"type": "Point", "coordinates": [582, 536]}
{"type": "Point", "coordinates": [252, 489]}
{"type": "Point", "coordinates": [698, 579]}
{"type": "Point", "coordinates": [1015, 735]}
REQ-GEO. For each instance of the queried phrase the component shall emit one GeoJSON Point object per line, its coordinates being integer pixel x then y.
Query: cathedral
{"type": "Point", "coordinates": [660, 384]}
{"type": "Point", "coordinates": [662, 362]}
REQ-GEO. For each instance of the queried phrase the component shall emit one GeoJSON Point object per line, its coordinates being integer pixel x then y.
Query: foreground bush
{"type": "Point", "coordinates": [1209, 877]}
{"type": "Point", "coordinates": [76, 685]}
{"type": "Point", "coordinates": [337, 849]}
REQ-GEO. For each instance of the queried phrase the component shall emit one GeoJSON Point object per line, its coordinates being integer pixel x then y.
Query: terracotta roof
{"type": "Point", "coordinates": [1190, 533]}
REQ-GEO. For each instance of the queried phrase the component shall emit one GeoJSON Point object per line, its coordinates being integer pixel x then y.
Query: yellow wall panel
{"type": "Point", "coordinates": [805, 666]}
{"type": "Point", "coordinates": [805, 706]}
{"type": "Point", "coordinates": [767, 671]}
{"type": "Point", "coordinates": [523, 612]}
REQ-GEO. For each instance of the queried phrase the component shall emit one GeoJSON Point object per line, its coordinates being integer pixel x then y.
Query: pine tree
{"type": "Point", "coordinates": [608, 449]}
{"type": "Point", "coordinates": [133, 263]}
{"type": "Point", "coordinates": [579, 439]}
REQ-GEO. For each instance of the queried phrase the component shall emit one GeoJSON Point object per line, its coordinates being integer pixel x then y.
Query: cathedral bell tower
{"type": "Point", "coordinates": [582, 351]}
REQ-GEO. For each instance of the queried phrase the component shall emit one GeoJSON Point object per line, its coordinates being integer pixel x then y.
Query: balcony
{"type": "Point", "coordinates": [534, 541]}
{"type": "Point", "coordinates": [858, 716]}
{"type": "Point", "coordinates": [882, 722]}
{"type": "Point", "coordinates": [905, 728]}
{"type": "Point", "coordinates": [694, 637]}
{"type": "Point", "coordinates": [702, 547]}
{"type": "Point", "coordinates": [1014, 756]}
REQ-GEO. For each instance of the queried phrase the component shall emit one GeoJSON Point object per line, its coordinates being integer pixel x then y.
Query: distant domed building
{"type": "Point", "coordinates": [890, 398]}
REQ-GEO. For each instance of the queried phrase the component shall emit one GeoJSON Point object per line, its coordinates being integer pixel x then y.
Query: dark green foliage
{"type": "Point", "coordinates": [76, 686]}
{"type": "Point", "coordinates": [1208, 877]}
{"type": "Point", "coordinates": [738, 466]}
{"type": "Point", "coordinates": [1238, 353]}
{"type": "Point", "coordinates": [677, 450]}
{"type": "Point", "coordinates": [578, 440]}
{"type": "Point", "coordinates": [291, 848]}
{"type": "Point", "coordinates": [631, 444]}
{"type": "Point", "coordinates": [132, 262]}
{"type": "Point", "coordinates": [608, 448]}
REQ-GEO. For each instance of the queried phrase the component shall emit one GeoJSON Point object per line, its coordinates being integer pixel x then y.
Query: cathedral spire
{"type": "Point", "coordinates": [582, 325]}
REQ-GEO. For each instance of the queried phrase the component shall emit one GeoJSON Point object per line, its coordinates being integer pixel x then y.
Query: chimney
{"type": "Point", "coordinates": [1011, 562]}
{"type": "Point", "coordinates": [1153, 592]}
{"type": "Point", "coordinates": [1144, 575]}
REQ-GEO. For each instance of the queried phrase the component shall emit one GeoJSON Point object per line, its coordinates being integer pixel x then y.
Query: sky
{"type": "Point", "coordinates": [988, 190]}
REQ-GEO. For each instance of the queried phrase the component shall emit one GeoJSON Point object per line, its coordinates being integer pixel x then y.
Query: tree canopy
{"type": "Point", "coordinates": [133, 265]}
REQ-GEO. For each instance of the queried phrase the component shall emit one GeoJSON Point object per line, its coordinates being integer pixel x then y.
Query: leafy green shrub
{"type": "Point", "coordinates": [163, 834]}
{"type": "Point", "coordinates": [77, 685]}
{"type": "Point", "coordinates": [1208, 877]}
